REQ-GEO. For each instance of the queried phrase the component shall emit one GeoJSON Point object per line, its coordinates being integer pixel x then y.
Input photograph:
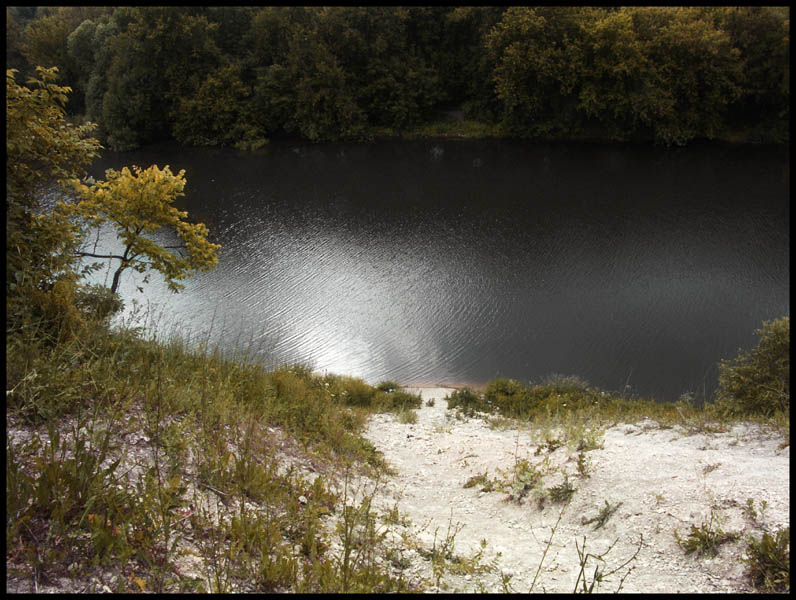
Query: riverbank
{"type": "Point", "coordinates": [453, 125]}
{"type": "Point", "coordinates": [657, 481]}
{"type": "Point", "coordinates": [135, 465]}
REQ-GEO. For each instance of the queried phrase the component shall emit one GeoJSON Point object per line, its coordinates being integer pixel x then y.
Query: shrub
{"type": "Point", "coordinates": [388, 386]}
{"type": "Point", "coordinates": [468, 401]}
{"type": "Point", "coordinates": [705, 539]}
{"type": "Point", "coordinates": [98, 301]}
{"type": "Point", "coordinates": [769, 562]}
{"type": "Point", "coordinates": [758, 383]}
{"type": "Point", "coordinates": [395, 401]}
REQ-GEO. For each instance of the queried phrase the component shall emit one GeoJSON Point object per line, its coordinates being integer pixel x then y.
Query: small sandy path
{"type": "Point", "coordinates": [665, 479]}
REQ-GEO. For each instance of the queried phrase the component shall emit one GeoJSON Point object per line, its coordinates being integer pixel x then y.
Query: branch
{"type": "Point", "coordinates": [81, 253]}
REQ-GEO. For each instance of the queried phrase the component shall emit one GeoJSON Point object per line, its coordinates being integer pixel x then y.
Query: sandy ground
{"type": "Point", "coordinates": [665, 479]}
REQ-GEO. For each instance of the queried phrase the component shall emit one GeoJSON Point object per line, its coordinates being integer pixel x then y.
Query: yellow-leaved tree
{"type": "Point", "coordinates": [137, 203]}
{"type": "Point", "coordinates": [43, 149]}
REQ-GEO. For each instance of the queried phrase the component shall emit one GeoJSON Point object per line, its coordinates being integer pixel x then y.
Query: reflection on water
{"type": "Point", "coordinates": [455, 262]}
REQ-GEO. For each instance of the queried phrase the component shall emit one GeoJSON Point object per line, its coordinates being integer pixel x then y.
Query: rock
{"type": "Point", "coordinates": [302, 499]}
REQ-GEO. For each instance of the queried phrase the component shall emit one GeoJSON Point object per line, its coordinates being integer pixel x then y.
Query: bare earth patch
{"type": "Point", "coordinates": [661, 480]}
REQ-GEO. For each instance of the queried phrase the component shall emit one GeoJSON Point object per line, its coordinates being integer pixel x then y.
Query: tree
{"type": "Point", "coordinates": [41, 148]}
{"type": "Point", "coordinates": [45, 42]}
{"type": "Point", "coordinates": [137, 203]}
{"type": "Point", "coordinates": [218, 113]}
{"type": "Point", "coordinates": [159, 56]}
{"type": "Point", "coordinates": [615, 81]}
{"type": "Point", "coordinates": [762, 35]}
{"type": "Point", "coordinates": [759, 383]}
{"type": "Point", "coordinates": [538, 55]}
{"type": "Point", "coordinates": [694, 69]}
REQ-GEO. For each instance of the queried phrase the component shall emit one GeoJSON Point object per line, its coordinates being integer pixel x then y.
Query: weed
{"type": "Point", "coordinates": [584, 465]}
{"type": "Point", "coordinates": [553, 530]}
{"type": "Point", "coordinates": [705, 539]}
{"type": "Point", "coordinates": [551, 445]}
{"type": "Point", "coordinates": [394, 517]}
{"type": "Point", "coordinates": [604, 514]}
{"type": "Point", "coordinates": [524, 478]}
{"type": "Point", "coordinates": [498, 422]}
{"type": "Point", "coordinates": [443, 557]}
{"type": "Point", "coordinates": [481, 479]}
{"type": "Point", "coordinates": [388, 386]}
{"type": "Point", "coordinates": [430, 402]}
{"type": "Point", "coordinates": [589, 440]}
{"type": "Point", "coordinates": [768, 561]}
{"type": "Point", "coordinates": [583, 585]}
{"type": "Point", "coordinates": [468, 402]}
{"type": "Point", "coordinates": [407, 416]}
{"type": "Point", "coordinates": [561, 492]}
{"type": "Point", "coordinates": [755, 516]}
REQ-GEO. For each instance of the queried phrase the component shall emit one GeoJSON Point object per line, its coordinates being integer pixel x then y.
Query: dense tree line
{"type": "Point", "coordinates": [238, 75]}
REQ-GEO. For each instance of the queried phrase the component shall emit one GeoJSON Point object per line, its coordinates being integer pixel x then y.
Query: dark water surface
{"type": "Point", "coordinates": [455, 262]}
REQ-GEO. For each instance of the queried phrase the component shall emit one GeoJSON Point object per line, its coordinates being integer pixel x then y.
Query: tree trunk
{"type": "Point", "coordinates": [116, 277]}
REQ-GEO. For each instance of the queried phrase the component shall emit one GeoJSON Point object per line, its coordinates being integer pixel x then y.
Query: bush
{"type": "Point", "coordinates": [388, 386]}
{"type": "Point", "coordinates": [769, 562]}
{"type": "Point", "coordinates": [758, 383]}
{"type": "Point", "coordinates": [395, 401]}
{"type": "Point", "coordinates": [468, 402]}
{"type": "Point", "coordinates": [98, 301]}
{"type": "Point", "coordinates": [509, 397]}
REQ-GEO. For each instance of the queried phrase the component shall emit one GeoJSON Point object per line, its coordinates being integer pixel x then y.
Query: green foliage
{"type": "Point", "coordinates": [538, 56]}
{"type": "Point", "coordinates": [237, 75]}
{"type": "Point", "coordinates": [467, 401]}
{"type": "Point", "coordinates": [603, 515]}
{"type": "Point", "coordinates": [762, 36]}
{"type": "Point", "coordinates": [758, 383]}
{"type": "Point", "coordinates": [218, 112]}
{"type": "Point", "coordinates": [45, 41]}
{"type": "Point", "coordinates": [41, 147]}
{"type": "Point", "coordinates": [387, 386]}
{"type": "Point", "coordinates": [705, 539]}
{"type": "Point", "coordinates": [695, 72]}
{"type": "Point", "coordinates": [563, 491]}
{"type": "Point", "coordinates": [768, 562]}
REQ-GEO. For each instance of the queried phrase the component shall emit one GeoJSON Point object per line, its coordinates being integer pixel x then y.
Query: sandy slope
{"type": "Point", "coordinates": [665, 479]}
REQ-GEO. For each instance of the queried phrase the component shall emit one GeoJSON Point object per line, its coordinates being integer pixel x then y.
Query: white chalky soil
{"type": "Point", "coordinates": [665, 479]}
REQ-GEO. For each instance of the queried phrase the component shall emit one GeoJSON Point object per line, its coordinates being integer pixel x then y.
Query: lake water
{"type": "Point", "coordinates": [634, 267]}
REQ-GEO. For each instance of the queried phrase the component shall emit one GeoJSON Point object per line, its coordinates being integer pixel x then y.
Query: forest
{"type": "Point", "coordinates": [241, 75]}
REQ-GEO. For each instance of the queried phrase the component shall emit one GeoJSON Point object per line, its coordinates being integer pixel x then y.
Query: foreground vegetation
{"type": "Point", "coordinates": [239, 75]}
{"type": "Point", "coordinates": [126, 456]}
{"type": "Point", "coordinates": [140, 464]}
